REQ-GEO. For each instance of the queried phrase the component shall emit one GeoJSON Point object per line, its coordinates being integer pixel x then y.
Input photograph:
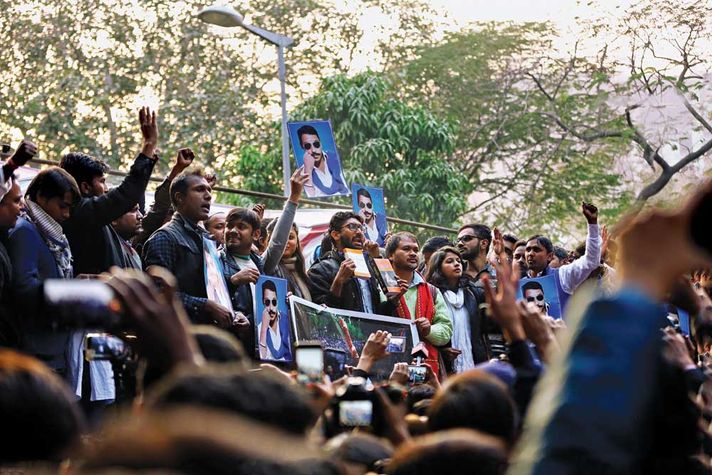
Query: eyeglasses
{"type": "Point", "coordinates": [362, 205]}
{"type": "Point", "coordinates": [308, 146]}
{"type": "Point", "coordinates": [270, 302]}
{"type": "Point", "coordinates": [466, 238]}
{"type": "Point", "coordinates": [354, 227]}
{"type": "Point", "coordinates": [539, 298]}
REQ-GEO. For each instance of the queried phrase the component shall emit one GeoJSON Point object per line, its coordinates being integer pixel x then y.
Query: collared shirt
{"type": "Point", "coordinates": [324, 176]}
{"type": "Point", "coordinates": [372, 232]}
{"type": "Point", "coordinates": [441, 325]}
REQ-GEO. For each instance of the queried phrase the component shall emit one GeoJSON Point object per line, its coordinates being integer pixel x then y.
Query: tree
{"type": "Point", "coordinates": [526, 175]}
{"type": "Point", "coordinates": [382, 141]}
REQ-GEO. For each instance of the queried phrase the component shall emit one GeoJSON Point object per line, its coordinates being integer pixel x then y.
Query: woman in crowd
{"type": "Point", "coordinates": [292, 265]}
{"type": "Point", "coordinates": [445, 273]}
{"type": "Point", "coordinates": [39, 250]}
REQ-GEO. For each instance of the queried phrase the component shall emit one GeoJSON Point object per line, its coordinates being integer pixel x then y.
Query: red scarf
{"type": "Point", "coordinates": [424, 307]}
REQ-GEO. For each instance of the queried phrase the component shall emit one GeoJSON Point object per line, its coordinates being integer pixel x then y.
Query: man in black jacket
{"type": "Point", "coordinates": [331, 278]}
{"type": "Point", "coordinates": [95, 245]}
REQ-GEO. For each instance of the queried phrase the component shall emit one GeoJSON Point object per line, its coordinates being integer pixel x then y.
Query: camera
{"type": "Point", "coordinates": [81, 303]}
{"type": "Point", "coordinates": [354, 404]}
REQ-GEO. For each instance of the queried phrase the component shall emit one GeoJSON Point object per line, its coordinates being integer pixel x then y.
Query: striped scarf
{"type": "Point", "coordinates": [53, 235]}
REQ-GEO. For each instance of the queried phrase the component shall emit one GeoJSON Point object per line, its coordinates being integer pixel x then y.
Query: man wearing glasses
{"type": "Point", "coordinates": [325, 172]}
{"type": "Point", "coordinates": [473, 241]}
{"type": "Point", "coordinates": [375, 222]}
{"type": "Point", "coordinates": [332, 280]}
{"type": "Point", "coordinates": [272, 329]}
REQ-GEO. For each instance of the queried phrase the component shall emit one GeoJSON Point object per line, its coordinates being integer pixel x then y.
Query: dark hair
{"type": "Point", "coordinates": [268, 285]}
{"type": "Point", "coordinates": [474, 400]}
{"type": "Point", "coordinates": [301, 265]}
{"type": "Point", "coordinates": [480, 230]}
{"type": "Point", "coordinates": [83, 168]}
{"type": "Point", "coordinates": [218, 346]}
{"type": "Point", "coordinates": [531, 285]}
{"type": "Point", "coordinates": [520, 243]}
{"type": "Point", "coordinates": [363, 192]}
{"type": "Point", "coordinates": [259, 396]}
{"type": "Point", "coordinates": [306, 129]}
{"type": "Point", "coordinates": [40, 418]}
{"type": "Point", "coordinates": [543, 241]}
{"type": "Point", "coordinates": [449, 453]}
{"type": "Point", "coordinates": [395, 240]}
{"type": "Point", "coordinates": [434, 275]}
{"type": "Point", "coordinates": [510, 238]}
{"type": "Point", "coordinates": [360, 448]}
{"type": "Point", "coordinates": [245, 215]}
{"type": "Point", "coordinates": [434, 243]}
{"type": "Point", "coordinates": [337, 222]}
{"type": "Point", "coordinates": [560, 252]}
{"type": "Point", "coordinates": [418, 393]}
{"type": "Point", "coordinates": [53, 182]}
{"type": "Point", "coordinates": [181, 182]}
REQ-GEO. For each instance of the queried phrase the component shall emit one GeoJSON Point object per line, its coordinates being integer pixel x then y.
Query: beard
{"type": "Point", "coordinates": [471, 254]}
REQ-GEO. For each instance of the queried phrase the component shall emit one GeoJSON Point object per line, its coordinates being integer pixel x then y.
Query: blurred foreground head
{"type": "Point", "coordinates": [451, 452]}
{"type": "Point", "coordinates": [255, 395]}
{"type": "Point", "coordinates": [39, 420]}
{"type": "Point", "coordinates": [192, 440]}
{"type": "Point", "coordinates": [474, 400]}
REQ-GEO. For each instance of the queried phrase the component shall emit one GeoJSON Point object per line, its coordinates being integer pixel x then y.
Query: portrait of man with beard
{"type": "Point", "coordinates": [273, 336]}
{"type": "Point", "coordinates": [315, 149]}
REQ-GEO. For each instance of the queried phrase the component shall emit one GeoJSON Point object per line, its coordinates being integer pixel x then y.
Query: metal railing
{"type": "Point", "coordinates": [271, 196]}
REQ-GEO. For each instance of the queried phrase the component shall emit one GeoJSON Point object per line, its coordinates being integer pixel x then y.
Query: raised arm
{"type": "Point", "coordinates": [279, 239]}
{"type": "Point", "coordinates": [574, 274]}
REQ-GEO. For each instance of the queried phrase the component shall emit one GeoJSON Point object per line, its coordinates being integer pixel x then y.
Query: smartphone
{"type": "Point", "coordinates": [396, 344]}
{"type": "Point", "coordinates": [700, 230]}
{"type": "Point", "coordinates": [358, 413]}
{"type": "Point", "coordinates": [309, 357]}
{"type": "Point", "coordinates": [102, 346]}
{"type": "Point", "coordinates": [80, 303]}
{"type": "Point", "coordinates": [417, 374]}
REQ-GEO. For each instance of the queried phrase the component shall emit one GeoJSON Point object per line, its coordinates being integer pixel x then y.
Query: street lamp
{"type": "Point", "coordinates": [226, 16]}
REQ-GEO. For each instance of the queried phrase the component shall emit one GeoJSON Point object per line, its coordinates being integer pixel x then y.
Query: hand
{"type": "Point", "coordinates": [497, 242]}
{"type": "Point", "coordinates": [346, 271]}
{"type": "Point", "coordinates": [423, 326]}
{"type": "Point", "coordinates": [399, 375]}
{"type": "Point", "coordinates": [158, 317]}
{"type": "Point", "coordinates": [248, 275]}
{"type": "Point", "coordinates": [430, 377]}
{"type": "Point", "coordinates": [675, 349]}
{"type": "Point", "coordinates": [308, 167]}
{"type": "Point", "coordinates": [26, 151]}
{"type": "Point", "coordinates": [374, 350]}
{"type": "Point", "coordinates": [393, 296]}
{"type": "Point", "coordinates": [296, 184]}
{"type": "Point", "coordinates": [590, 212]}
{"type": "Point", "coordinates": [503, 304]}
{"type": "Point", "coordinates": [221, 316]}
{"type": "Point", "coordinates": [450, 354]}
{"type": "Point", "coordinates": [259, 210]}
{"type": "Point", "coordinates": [240, 321]}
{"type": "Point", "coordinates": [212, 179]}
{"type": "Point", "coordinates": [641, 262]}
{"type": "Point", "coordinates": [149, 131]}
{"type": "Point", "coordinates": [537, 329]}
{"type": "Point", "coordinates": [184, 158]}
{"type": "Point", "coordinates": [372, 248]}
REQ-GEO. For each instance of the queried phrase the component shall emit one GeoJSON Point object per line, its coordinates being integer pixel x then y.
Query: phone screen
{"type": "Point", "coordinates": [310, 362]}
{"type": "Point", "coordinates": [355, 413]}
{"type": "Point", "coordinates": [417, 374]}
{"type": "Point", "coordinates": [396, 345]}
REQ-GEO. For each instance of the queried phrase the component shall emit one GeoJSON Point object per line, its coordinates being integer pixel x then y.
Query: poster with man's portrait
{"type": "Point", "coordinates": [272, 326]}
{"type": "Point", "coordinates": [314, 147]}
{"type": "Point", "coordinates": [368, 202]}
{"type": "Point", "coordinates": [542, 292]}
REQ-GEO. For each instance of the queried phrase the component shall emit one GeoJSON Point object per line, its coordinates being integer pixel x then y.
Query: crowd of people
{"type": "Point", "coordinates": [619, 383]}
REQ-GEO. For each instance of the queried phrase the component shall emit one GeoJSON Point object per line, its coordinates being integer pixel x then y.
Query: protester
{"type": "Point", "coordinates": [127, 227]}
{"type": "Point", "coordinates": [331, 278]}
{"type": "Point", "coordinates": [10, 209]}
{"type": "Point", "coordinates": [95, 245]}
{"type": "Point", "coordinates": [241, 265]}
{"type": "Point", "coordinates": [509, 241]}
{"type": "Point", "coordinates": [431, 245]}
{"type": "Point", "coordinates": [468, 341]}
{"type": "Point", "coordinates": [25, 152]}
{"type": "Point", "coordinates": [292, 266]}
{"type": "Point", "coordinates": [474, 241]}
{"type": "Point", "coordinates": [422, 302]}
{"type": "Point", "coordinates": [215, 226]}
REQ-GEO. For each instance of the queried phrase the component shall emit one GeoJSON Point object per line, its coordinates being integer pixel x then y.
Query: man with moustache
{"type": "Point", "coordinates": [325, 171]}
{"type": "Point", "coordinates": [473, 241]}
{"type": "Point", "coordinates": [126, 227]}
{"type": "Point", "coordinates": [375, 223]}
{"type": "Point", "coordinates": [274, 339]}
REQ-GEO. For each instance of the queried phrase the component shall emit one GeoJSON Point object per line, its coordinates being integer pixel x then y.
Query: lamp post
{"type": "Point", "coordinates": [226, 16]}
